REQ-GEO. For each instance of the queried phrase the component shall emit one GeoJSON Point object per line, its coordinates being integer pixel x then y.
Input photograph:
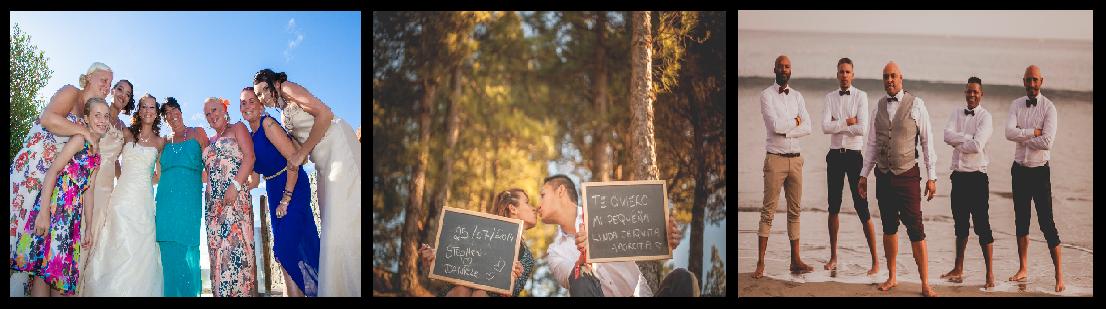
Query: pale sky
{"type": "Point", "coordinates": [1074, 25]}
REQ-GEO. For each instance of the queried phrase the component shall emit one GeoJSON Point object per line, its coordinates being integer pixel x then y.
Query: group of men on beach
{"type": "Point", "coordinates": [886, 139]}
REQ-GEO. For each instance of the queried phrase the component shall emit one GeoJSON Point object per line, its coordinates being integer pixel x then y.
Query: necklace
{"type": "Point", "coordinates": [183, 134]}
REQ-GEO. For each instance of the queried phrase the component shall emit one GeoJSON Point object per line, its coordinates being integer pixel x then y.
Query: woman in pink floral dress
{"type": "Point", "coordinates": [59, 120]}
{"type": "Point", "coordinates": [229, 161]}
{"type": "Point", "coordinates": [50, 244]}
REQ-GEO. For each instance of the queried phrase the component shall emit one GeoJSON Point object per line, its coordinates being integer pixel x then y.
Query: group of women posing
{"type": "Point", "coordinates": [85, 218]}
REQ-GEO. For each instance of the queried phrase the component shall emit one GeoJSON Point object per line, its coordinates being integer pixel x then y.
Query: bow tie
{"type": "Point", "coordinates": [785, 91]}
{"type": "Point", "coordinates": [843, 92]}
{"type": "Point", "coordinates": [969, 112]}
{"type": "Point", "coordinates": [1031, 101]}
{"type": "Point", "coordinates": [889, 99]}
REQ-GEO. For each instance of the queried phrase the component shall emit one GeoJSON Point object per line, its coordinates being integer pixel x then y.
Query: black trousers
{"type": "Point", "coordinates": [1033, 183]}
{"type": "Point", "coordinates": [969, 201]}
{"type": "Point", "coordinates": [845, 165]}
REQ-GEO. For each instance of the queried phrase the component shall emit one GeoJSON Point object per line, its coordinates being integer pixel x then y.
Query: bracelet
{"type": "Point", "coordinates": [237, 186]}
{"type": "Point", "coordinates": [287, 193]}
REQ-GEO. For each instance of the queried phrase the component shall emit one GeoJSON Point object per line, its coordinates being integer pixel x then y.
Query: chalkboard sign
{"type": "Point", "coordinates": [476, 249]}
{"type": "Point", "coordinates": [626, 220]}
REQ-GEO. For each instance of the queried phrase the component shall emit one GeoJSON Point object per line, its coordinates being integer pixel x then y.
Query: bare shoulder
{"type": "Point", "coordinates": [63, 100]}
{"type": "Point", "coordinates": [241, 130]}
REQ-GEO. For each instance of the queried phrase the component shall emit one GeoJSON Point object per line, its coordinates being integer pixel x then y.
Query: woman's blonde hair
{"type": "Point", "coordinates": [96, 66]}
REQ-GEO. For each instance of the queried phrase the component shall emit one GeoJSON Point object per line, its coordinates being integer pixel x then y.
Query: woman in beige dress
{"type": "Point", "coordinates": [110, 147]}
{"type": "Point", "coordinates": [337, 155]}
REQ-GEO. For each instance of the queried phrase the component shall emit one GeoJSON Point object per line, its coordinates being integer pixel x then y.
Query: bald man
{"type": "Point", "coordinates": [901, 121]}
{"type": "Point", "coordinates": [1032, 125]}
{"type": "Point", "coordinates": [785, 120]}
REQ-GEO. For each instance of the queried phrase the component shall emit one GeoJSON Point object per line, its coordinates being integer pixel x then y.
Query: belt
{"type": "Point", "coordinates": [844, 150]}
{"type": "Point", "coordinates": [786, 155]}
{"type": "Point", "coordinates": [267, 178]}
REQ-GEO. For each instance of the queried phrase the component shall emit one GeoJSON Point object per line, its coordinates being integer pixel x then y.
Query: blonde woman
{"type": "Point", "coordinates": [59, 121]}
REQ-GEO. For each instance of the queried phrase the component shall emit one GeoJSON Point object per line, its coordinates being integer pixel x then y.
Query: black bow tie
{"type": "Point", "coordinates": [889, 99]}
{"type": "Point", "coordinates": [1031, 101]}
{"type": "Point", "coordinates": [843, 92]}
{"type": "Point", "coordinates": [785, 91]}
{"type": "Point", "coordinates": [969, 112]}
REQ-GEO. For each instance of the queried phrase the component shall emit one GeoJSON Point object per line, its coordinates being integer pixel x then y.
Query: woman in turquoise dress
{"type": "Point", "coordinates": [179, 204]}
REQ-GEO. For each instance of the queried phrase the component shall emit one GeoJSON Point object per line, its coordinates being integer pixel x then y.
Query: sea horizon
{"type": "Point", "coordinates": [1067, 64]}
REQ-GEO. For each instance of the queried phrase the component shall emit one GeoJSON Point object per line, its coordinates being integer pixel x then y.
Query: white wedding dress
{"type": "Point", "coordinates": [126, 260]}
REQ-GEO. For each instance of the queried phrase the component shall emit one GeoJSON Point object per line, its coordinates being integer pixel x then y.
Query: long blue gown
{"type": "Point", "coordinates": [295, 238]}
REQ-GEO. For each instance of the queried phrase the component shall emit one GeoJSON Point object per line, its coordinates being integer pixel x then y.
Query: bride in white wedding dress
{"type": "Point", "coordinates": [126, 260]}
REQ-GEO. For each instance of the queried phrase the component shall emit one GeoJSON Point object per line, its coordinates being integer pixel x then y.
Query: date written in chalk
{"type": "Point", "coordinates": [476, 233]}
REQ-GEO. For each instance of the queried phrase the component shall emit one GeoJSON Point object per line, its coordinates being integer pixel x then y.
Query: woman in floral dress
{"type": "Point", "coordinates": [229, 161]}
{"type": "Point", "coordinates": [60, 119]}
{"type": "Point", "coordinates": [50, 245]}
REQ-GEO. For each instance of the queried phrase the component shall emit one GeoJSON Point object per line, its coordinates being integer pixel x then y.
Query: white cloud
{"type": "Point", "coordinates": [297, 37]}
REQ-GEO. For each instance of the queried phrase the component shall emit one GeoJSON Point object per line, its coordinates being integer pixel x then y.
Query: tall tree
{"type": "Point", "coordinates": [704, 86]}
{"type": "Point", "coordinates": [601, 157]}
{"type": "Point", "coordinates": [29, 73]}
{"type": "Point", "coordinates": [641, 124]}
{"type": "Point", "coordinates": [716, 279]}
{"type": "Point", "coordinates": [435, 45]}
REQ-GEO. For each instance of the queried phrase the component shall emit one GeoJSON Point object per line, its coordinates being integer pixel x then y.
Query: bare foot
{"type": "Point", "coordinates": [990, 281]}
{"type": "Point", "coordinates": [887, 285]}
{"type": "Point", "coordinates": [956, 275]}
{"type": "Point", "coordinates": [1020, 276]}
{"type": "Point", "coordinates": [928, 291]}
{"type": "Point", "coordinates": [759, 273]}
{"type": "Point", "coordinates": [800, 268]}
{"type": "Point", "coordinates": [874, 270]}
{"type": "Point", "coordinates": [832, 264]}
{"type": "Point", "coordinates": [1059, 285]}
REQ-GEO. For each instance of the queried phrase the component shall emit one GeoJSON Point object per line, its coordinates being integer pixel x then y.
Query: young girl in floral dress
{"type": "Point", "coordinates": [51, 244]}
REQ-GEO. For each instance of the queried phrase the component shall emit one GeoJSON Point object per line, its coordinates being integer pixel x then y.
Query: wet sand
{"type": "Point", "coordinates": [1072, 186]}
{"type": "Point", "coordinates": [749, 287]}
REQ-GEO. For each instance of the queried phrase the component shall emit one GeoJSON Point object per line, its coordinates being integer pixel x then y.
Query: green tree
{"type": "Point", "coordinates": [716, 279]}
{"type": "Point", "coordinates": [29, 73]}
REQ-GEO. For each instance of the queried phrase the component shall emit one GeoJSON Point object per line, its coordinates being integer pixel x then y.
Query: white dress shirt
{"type": "Point", "coordinates": [779, 111]}
{"type": "Point", "coordinates": [617, 278]}
{"type": "Point", "coordinates": [968, 136]}
{"type": "Point", "coordinates": [842, 107]}
{"type": "Point", "coordinates": [1032, 151]}
{"type": "Point", "coordinates": [921, 118]}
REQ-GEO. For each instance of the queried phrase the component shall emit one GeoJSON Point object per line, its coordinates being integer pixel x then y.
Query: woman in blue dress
{"type": "Point", "coordinates": [179, 204]}
{"type": "Point", "coordinates": [296, 240]}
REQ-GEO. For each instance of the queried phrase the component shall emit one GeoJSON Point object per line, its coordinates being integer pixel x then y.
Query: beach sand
{"type": "Point", "coordinates": [750, 287]}
{"type": "Point", "coordinates": [1072, 186]}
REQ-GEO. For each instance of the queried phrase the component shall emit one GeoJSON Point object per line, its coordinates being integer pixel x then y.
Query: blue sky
{"type": "Point", "coordinates": [195, 55]}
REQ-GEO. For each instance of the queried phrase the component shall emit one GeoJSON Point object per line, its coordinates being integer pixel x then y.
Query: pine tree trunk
{"type": "Point", "coordinates": [643, 149]}
{"type": "Point", "coordinates": [452, 129]}
{"type": "Point", "coordinates": [408, 266]}
{"type": "Point", "coordinates": [601, 158]}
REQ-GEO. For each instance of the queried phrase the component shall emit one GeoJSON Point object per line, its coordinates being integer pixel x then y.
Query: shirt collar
{"type": "Point", "coordinates": [898, 96]}
{"type": "Point", "coordinates": [777, 87]}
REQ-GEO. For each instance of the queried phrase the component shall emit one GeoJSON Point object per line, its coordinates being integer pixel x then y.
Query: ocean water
{"type": "Point", "coordinates": [1065, 64]}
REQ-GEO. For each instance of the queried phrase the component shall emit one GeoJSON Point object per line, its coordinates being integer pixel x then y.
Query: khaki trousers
{"type": "Point", "coordinates": [786, 173]}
